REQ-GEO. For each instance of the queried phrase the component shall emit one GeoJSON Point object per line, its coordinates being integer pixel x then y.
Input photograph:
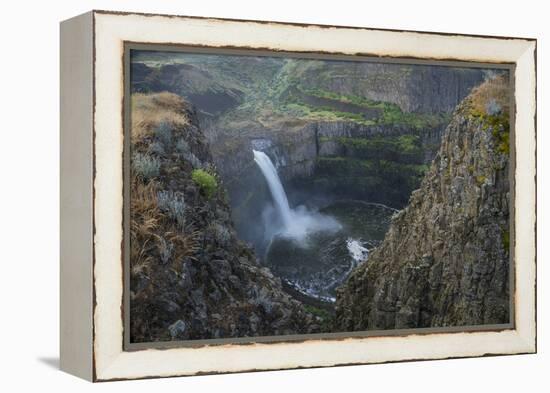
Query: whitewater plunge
{"type": "Point", "coordinates": [294, 223]}
{"type": "Point", "coordinates": [275, 187]}
{"type": "Point", "coordinates": [315, 251]}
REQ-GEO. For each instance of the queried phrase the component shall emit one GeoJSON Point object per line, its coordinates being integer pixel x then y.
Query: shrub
{"type": "Point", "coordinates": [186, 245]}
{"type": "Point", "coordinates": [193, 160]}
{"type": "Point", "coordinates": [182, 146]}
{"type": "Point", "coordinates": [206, 182]}
{"type": "Point", "coordinates": [164, 133]}
{"type": "Point", "coordinates": [157, 148]}
{"type": "Point", "coordinates": [145, 166]}
{"type": "Point", "coordinates": [493, 107]}
{"type": "Point", "coordinates": [222, 233]}
{"type": "Point", "coordinates": [173, 204]}
{"type": "Point", "coordinates": [165, 249]}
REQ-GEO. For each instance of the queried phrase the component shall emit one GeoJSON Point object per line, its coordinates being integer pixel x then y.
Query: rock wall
{"type": "Point", "coordinates": [445, 258]}
{"type": "Point", "coordinates": [324, 139]}
{"type": "Point", "coordinates": [346, 160]}
{"type": "Point", "coordinates": [198, 86]}
{"type": "Point", "coordinates": [191, 277]}
{"type": "Point", "coordinates": [428, 89]}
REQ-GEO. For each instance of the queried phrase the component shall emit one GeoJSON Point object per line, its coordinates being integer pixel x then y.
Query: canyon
{"type": "Point", "coordinates": [320, 196]}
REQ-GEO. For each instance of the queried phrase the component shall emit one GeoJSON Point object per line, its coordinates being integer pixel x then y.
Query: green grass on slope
{"type": "Point", "coordinates": [391, 114]}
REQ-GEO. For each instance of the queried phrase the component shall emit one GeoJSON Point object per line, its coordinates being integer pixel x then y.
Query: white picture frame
{"type": "Point", "coordinates": [92, 121]}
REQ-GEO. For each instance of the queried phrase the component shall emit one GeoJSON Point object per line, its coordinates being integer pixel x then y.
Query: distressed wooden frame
{"type": "Point", "coordinates": [92, 120]}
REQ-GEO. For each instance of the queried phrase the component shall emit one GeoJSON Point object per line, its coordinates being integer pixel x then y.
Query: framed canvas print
{"type": "Point", "coordinates": [246, 195]}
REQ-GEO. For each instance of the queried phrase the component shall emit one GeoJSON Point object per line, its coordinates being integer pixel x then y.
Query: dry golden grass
{"type": "Point", "coordinates": [151, 231]}
{"type": "Point", "coordinates": [144, 206]}
{"type": "Point", "coordinates": [149, 227]}
{"type": "Point", "coordinates": [150, 110]}
{"type": "Point", "coordinates": [497, 90]}
{"type": "Point", "coordinates": [186, 245]}
{"type": "Point", "coordinates": [144, 222]}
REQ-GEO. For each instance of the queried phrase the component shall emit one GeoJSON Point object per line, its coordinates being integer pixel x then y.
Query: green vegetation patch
{"type": "Point", "coordinates": [390, 113]}
{"type": "Point", "coordinates": [403, 148]}
{"type": "Point", "coordinates": [318, 312]}
{"type": "Point", "coordinates": [480, 179]}
{"type": "Point", "coordinates": [393, 115]}
{"type": "Point", "coordinates": [502, 137]}
{"type": "Point", "coordinates": [500, 128]}
{"type": "Point", "coordinates": [326, 113]}
{"type": "Point", "coordinates": [346, 98]}
{"type": "Point", "coordinates": [326, 317]}
{"type": "Point", "coordinates": [206, 181]}
{"type": "Point", "coordinates": [498, 124]}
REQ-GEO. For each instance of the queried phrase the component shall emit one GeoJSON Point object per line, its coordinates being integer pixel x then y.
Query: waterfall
{"type": "Point", "coordinates": [275, 187]}
{"type": "Point", "coordinates": [296, 223]}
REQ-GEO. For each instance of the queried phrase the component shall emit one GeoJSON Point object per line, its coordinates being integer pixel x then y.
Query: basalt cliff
{"type": "Point", "coordinates": [445, 260]}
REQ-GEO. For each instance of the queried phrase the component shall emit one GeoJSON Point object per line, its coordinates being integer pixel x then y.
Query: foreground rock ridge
{"type": "Point", "coordinates": [445, 259]}
{"type": "Point", "coordinates": [190, 277]}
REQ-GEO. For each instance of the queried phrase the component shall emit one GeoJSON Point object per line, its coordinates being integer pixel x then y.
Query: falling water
{"type": "Point", "coordinates": [326, 251]}
{"type": "Point", "coordinates": [296, 223]}
{"type": "Point", "coordinates": [275, 186]}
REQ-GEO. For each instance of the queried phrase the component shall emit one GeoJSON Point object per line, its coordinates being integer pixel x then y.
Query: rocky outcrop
{"type": "Point", "coordinates": [445, 258]}
{"type": "Point", "coordinates": [346, 160]}
{"type": "Point", "coordinates": [198, 86]}
{"type": "Point", "coordinates": [191, 277]}
{"type": "Point", "coordinates": [428, 89]}
{"type": "Point", "coordinates": [327, 139]}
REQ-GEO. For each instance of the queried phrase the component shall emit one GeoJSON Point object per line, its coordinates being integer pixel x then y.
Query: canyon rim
{"type": "Point", "coordinates": [279, 195]}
